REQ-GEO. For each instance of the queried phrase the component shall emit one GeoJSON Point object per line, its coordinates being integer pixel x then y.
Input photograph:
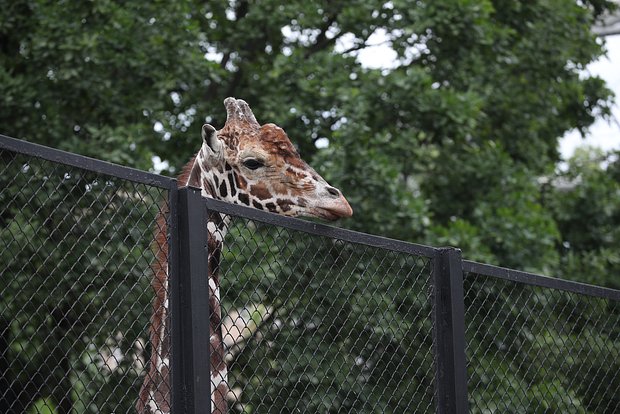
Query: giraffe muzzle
{"type": "Point", "coordinates": [333, 208]}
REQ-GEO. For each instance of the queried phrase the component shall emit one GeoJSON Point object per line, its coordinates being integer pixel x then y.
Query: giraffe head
{"type": "Point", "coordinates": [256, 165]}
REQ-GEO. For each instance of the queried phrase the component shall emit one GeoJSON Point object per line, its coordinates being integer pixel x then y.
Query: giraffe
{"type": "Point", "coordinates": [243, 163]}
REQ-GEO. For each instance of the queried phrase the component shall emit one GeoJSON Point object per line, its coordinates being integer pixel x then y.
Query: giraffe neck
{"type": "Point", "coordinates": [155, 396]}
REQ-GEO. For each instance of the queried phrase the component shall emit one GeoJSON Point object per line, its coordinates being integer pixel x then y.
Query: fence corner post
{"type": "Point", "coordinates": [449, 332]}
{"type": "Point", "coordinates": [189, 304]}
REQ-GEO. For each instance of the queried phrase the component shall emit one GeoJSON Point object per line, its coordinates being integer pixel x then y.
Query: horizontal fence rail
{"type": "Point", "coordinates": [314, 318]}
{"type": "Point", "coordinates": [518, 276]}
{"type": "Point", "coordinates": [85, 163]}
{"type": "Point", "coordinates": [319, 229]}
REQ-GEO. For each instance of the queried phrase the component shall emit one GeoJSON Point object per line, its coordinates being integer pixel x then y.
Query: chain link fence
{"type": "Point", "coordinates": [319, 324]}
{"type": "Point", "coordinates": [314, 319]}
{"type": "Point", "coordinates": [76, 248]}
{"type": "Point", "coordinates": [536, 349]}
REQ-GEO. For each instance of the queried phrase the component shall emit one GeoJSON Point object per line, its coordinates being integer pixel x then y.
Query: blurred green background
{"type": "Point", "coordinates": [456, 144]}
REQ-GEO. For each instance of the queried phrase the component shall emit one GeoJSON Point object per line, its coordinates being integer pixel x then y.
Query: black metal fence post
{"type": "Point", "coordinates": [191, 378]}
{"type": "Point", "coordinates": [449, 332]}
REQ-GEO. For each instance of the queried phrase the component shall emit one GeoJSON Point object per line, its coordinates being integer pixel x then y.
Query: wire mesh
{"type": "Point", "coordinates": [540, 350]}
{"type": "Point", "coordinates": [311, 323]}
{"type": "Point", "coordinates": [75, 290]}
{"type": "Point", "coordinates": [319, 325]}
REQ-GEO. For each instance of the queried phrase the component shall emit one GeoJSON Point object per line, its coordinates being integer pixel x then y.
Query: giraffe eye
{"type": "Point", "coordinates": [252, 164]}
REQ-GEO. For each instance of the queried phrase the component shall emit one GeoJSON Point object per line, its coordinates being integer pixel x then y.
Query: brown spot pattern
{"type": "Point", "coordinates": [276, 141]}
{"type": "Point", "coordinates": [295, 176]}
{"type": "Point", "coordinates": [260, 191]}
{"type": "Point", "coordinates": [219, 397]}
{"type": "Point", "coordinates": [285, 205]}
{"type": "Point", "coordinates": [242, 184]}
{"type": "Point", "coordinates": [208, 187]}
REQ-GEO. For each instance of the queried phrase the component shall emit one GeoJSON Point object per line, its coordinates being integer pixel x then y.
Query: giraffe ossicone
{"type": "Point", "coordinates": [243, 163]}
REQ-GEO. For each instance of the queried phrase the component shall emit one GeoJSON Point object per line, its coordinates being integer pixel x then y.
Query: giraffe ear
{"type": "Point", "coordinates": [209, 136]}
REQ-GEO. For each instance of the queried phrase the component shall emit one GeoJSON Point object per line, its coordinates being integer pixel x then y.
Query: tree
{"type": "Point", "coordinates": [584, 200]}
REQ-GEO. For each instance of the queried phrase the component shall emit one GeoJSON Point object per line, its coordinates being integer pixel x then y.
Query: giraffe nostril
{"type": "Point", "coordinates": [333, 191]}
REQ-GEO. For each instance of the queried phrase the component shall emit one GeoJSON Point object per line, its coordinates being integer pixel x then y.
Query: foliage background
{"type": "Point", "coordinates": [457, 144]}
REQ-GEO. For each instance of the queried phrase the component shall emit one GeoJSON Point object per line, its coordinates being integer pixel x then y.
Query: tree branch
{"type": "Point", "coordinates": [239, 347]}
{"type": "Point", "coordinates": [357, 47]}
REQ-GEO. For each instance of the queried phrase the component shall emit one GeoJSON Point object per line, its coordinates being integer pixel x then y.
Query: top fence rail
{"type": "Point", "coordinates": [86, 163]}
{"type": "Point", "coordinates": [320, 229]}
{"type": "Point", "coordinates": [539, 280]}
